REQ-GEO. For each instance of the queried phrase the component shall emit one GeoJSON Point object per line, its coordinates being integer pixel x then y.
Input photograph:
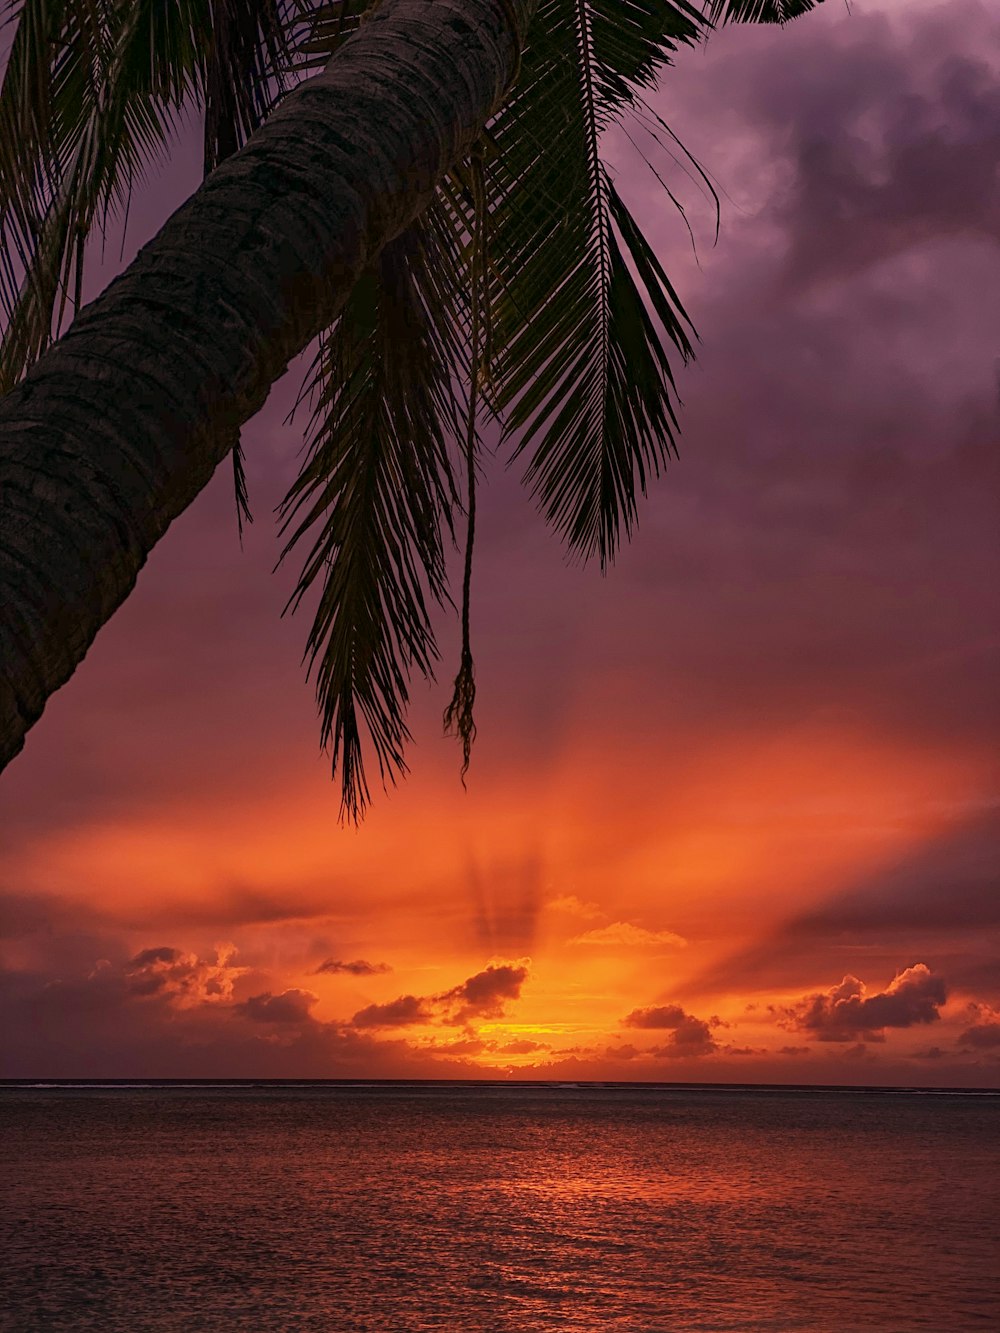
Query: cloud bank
{"type": "Point", "coordinates": [847, 1012]}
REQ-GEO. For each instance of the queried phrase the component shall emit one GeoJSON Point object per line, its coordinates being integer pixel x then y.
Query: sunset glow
{"type": "Point", "coordinates": [732, 813]}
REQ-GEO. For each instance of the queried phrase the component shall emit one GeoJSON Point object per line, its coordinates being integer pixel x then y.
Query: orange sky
{"type": "Point", "coordinates": [756, 759]}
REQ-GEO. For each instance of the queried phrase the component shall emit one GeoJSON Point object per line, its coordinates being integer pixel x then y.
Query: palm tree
{"type": "Point", "coordinates": [432, 206]}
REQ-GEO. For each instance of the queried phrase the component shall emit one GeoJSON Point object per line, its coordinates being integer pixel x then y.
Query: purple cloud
{"type": "Point", "coordinates": [981, 1037]}
{"type": "Point", "coordinates": [662, 1016]}
{"type": "Point", "coordinates": [689, 1036]}
{"type": "Point", "coordinates": [845, 1012]}
{"type": "Point", "coordinates": [482, 995]}
{"type": "Point", "coordinates": [407, 1010]}
{"type": "Point", "coordinates": [485, 994]}
{"type": "Point", "coordinates": [291, 1006]}
{"type": "Point", "coordinates": [359, 968]}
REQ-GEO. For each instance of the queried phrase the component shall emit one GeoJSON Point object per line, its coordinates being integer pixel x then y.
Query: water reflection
{"type": "Point", "coordinates": [498, 1210]}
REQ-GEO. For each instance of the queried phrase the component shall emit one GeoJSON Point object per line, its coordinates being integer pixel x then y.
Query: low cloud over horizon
{"type": "Point", "coordinates": [847, 1012]}
{"type": "Point", "coordinates": [165, 1011]}
{"type": "Point", "coordinates": [359, 968]}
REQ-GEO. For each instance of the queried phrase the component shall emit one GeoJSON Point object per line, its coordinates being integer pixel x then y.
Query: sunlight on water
{"type": "Point", "coordinates": [498, 1209]}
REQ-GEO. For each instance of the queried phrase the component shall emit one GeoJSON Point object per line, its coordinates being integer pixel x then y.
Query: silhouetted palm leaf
{"type": "Point", "coordinates": [758, 11]}
{"type": "Point", "coordinates": [244, 69]}
{"type": "Point", "coordinates": [580, 367]}
{"type": "Point", "coordinates": [375, 493]}
{"type": "Point", "coordinates": [90, 97]}
{"type": "Point", "coordinates": [313, 32]}
{"type": "Point", "coordinates": [79, 120]}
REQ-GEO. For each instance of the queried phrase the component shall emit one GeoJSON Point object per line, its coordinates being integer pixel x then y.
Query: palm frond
{"type": "Point", "coordinates": [244, 68]}
{"type": "Point", "coordinates": [314, 31]}
{"type": "Point", "coordinates": [88, 101]}
{"type": "Point", "coordinates": [630, 41]}
{"type": "Point", "coordinates": [581, 370]}
{"type": "Point", "coordinates": [758, 11]}
{"type": "Point", "coordinates": [375, 495]}
{"type": "Point", "coordinates": [248, 61]}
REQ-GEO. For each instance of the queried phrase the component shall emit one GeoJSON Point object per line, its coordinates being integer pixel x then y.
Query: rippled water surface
{"type": "Point", "coordinates": [498, 1208]}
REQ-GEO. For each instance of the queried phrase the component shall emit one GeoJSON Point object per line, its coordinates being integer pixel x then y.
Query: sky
{"type": "Point", "coordinates": [733, 813]}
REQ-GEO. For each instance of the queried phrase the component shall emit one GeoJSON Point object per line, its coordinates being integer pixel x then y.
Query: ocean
{"type": "Point", "coordinates": [497, 1208]}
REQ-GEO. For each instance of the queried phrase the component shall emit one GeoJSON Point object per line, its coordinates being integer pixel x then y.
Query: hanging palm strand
{"type": "Point", "coordinates": [459, 718]}
{"type": "Point", "coordinates": [375, 495]}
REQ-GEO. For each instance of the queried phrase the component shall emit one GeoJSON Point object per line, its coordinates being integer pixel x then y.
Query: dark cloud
{"type": "Point", "coordinates": [23, 915]}
{"type": "Point", "coordinates": [485, 994]}
{"type": "Point", "coordinates": [148, 957]}
{"type": "Point", "coordinates": [879, 172]}
{"type": "Point", "coordinates": [931, 1053]}
{"type": "Point", "coordinates": [57, 935]}
{"type": "Point", "coordinates": [887, 127]}
{"type": "Point", "coordinates": [183, 978]}
{"type": "Point", "coordinates": [977, 975]}
{"type": "Point", "coordinates": [359, 968]}
{"type": "Point", "coordinates": [626, 1051]}
{"type": "Point", "coordinates": [45, 1001]}
{"type": "Point", "coordinates": [845, 1012]}
{"type": "Point", "coordinates": [794, 1050]}
{"type": "Point", "coordinates": [161, 976]}
{"type": "Point", "coordinates": [522, 1046]}
{"type": "Point", "coordinates": [837, 504]}
{"type": "Point", "coordinates": [169, 1012]}
{"type": "Point", "coordinates": [251, 906]}
{"type": "Point", "coordinates": [690, 1039]}
{"type": "Point", "coordinates": [87, 1028]}
{"type": "Point", "coordinates": [408, 1009]}
{"type": "Point", "coordinates": [940, 901]}
{"type": "Point", "coordinates": [290, 1006]}
{"type": "Point", "coordinates": [689, 1036]}
{"type": "Point", "coordinates": [662, 1016]}
{"type": "Point", "coordinates": [459, 1046]}
{"type": "Point", "coordinates": [981, 1036]}
{"type": "Point", "coordinates": [228, 907]}
{"type": "Point", "coordinates": [220, 908]}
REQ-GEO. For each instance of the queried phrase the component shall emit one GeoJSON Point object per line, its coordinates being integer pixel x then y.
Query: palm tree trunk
{"type": "Point", "coordinates": [119, 426]}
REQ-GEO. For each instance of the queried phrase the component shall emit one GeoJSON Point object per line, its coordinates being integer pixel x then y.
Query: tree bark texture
{"type": "Point", "coordinates": [123, 421]}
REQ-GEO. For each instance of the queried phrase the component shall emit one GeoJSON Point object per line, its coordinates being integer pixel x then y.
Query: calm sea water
{"type": "Point", "coordinates": [274, 1209]}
